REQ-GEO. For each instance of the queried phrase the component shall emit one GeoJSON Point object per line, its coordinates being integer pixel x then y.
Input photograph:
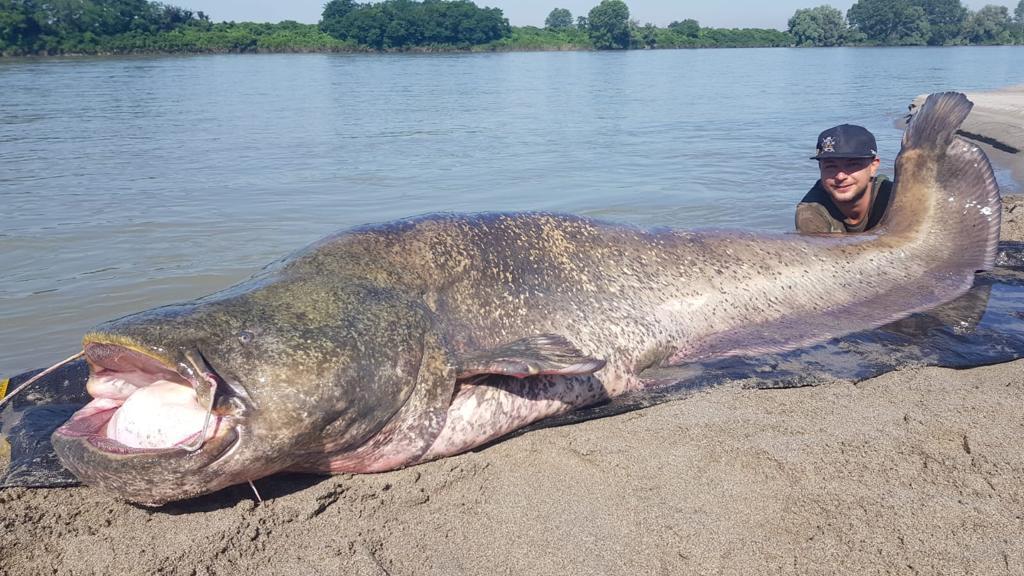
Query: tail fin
{"type": "Point", "coordinates": [937, 120]}
{"type": "Point", "coordinates": [945, 188]}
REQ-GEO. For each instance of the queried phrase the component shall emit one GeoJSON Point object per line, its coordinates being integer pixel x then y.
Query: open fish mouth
{"type": "Point", "coordinates": [143, 405]}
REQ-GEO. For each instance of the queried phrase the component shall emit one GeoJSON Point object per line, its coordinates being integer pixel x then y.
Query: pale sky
{"type": "Point", "coordinates": [734, 14]}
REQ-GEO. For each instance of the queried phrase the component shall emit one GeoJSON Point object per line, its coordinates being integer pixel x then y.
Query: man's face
{"type": "Point", "coordinates": [846, 179]}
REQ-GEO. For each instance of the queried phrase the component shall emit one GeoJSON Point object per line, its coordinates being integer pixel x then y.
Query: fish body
{"type": "Point", "coordinates": [390, 345]}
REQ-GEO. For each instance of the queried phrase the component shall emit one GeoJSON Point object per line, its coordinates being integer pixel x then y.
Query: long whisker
{"type": "Point", "coordinates": [35, 378]}
{"type": "Point", "coordinates": [255, 491]}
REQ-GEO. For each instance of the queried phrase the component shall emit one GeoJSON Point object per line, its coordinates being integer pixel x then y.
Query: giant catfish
{"type": "Point", "coordinates": [389, 345]}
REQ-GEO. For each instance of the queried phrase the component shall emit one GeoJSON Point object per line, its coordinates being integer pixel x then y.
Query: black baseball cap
{"type": "Point", "coordinates": [846, 141]}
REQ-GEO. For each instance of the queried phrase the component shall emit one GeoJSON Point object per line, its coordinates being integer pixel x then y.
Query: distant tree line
{"type": "Point", "coordinates": [39, 26]}
{"type": "Point", "coordinates": [405, 23]}
{"type": "Point", "coordinates": [128, 26]}
{"type": "Point", "coordinates": [140, 26]}
{"type": "Point", "coordinates": [907, 23]}
{"type": "Point", "coordinates": [608, 26]}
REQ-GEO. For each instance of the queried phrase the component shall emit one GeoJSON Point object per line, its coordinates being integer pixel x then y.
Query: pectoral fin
{"type": "Point", "coordinates": [531, 356]}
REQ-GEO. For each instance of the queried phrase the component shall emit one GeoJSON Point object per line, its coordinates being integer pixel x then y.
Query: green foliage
{"type": "Point", "coordinates": [609, 25]}
{"type": "Point", "coordinates": [18, 28]}
{"type": "Point", "coordinates": [890, 22]}
{"type": "Point", "coordinates": [647, 37]}
{"type": "Point", "coordinates": [333, 16]}
{"type": "Point", "coordinates": [743, 37]}
{"type": "Point", "coordinates": [989, 25]}
{"type": "Point", "coordinates": [558, 19]}
{"type": "Point", "coordinates": [688, 28]}
{"type": "Point", "coordinates": [401, 24]}
{"type": "Point", "coordinates": [911, 22]}
{"type": "Point", "coordinates": [1018, 21]}
{"type": "Point", "coordinates": [722, 38]}
{"type": "Point", "coordinates": [61, 26]}
{"type": "Point", "coordinates": [287, 36]}
{"type": "Point", "coordinates": [821, 26]}
{"type": "Point", "coordinates": [533, 38]}
{"type": "Point", "coordinates": [945, 19]}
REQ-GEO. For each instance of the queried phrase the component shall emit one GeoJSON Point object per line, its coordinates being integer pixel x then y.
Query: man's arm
{"type": "Point", "coordinates": [813, 218]}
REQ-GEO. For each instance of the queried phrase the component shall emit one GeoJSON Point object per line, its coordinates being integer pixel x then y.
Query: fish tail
{"type": "Point", "coordinates": [946, 191]}
{"type": "Point", "coordinates": [937, 120]}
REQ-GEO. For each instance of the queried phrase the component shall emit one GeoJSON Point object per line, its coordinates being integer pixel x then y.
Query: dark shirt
{"type": "Point", "coordinates": [817, 214]}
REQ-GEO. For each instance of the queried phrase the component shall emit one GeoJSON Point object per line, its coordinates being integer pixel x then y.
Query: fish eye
{"type": "Point", "coordinates": [246, 336]}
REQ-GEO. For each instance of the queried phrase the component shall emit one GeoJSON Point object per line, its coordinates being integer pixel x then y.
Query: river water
{"type": "Point", "coordinates": [127, 183]}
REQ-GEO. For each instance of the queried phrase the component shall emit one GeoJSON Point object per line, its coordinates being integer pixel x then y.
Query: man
{"type": "Point", "coordinates": [850, 196]}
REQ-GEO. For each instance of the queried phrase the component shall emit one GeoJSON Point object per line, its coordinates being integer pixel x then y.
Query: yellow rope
{"type": "Point", "coordinates": [5, 448]}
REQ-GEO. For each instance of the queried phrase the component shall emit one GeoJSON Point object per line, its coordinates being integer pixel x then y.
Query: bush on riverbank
{"type": "Point", "coordinates": [227, 37]}
{"type": "Point", "coordinates": [397, 24]}
{"type": "Point", "coordinates": [137, 26]}
{"type": "Point", "coordinates": [533, 38]}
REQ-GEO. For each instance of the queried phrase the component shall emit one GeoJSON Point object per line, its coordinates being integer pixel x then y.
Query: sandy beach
{"type": "Point", "coordinates": [919, 471]}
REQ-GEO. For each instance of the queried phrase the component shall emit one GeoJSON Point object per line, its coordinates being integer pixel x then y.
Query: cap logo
{"type": "Point", "coordinates": [828, 144]}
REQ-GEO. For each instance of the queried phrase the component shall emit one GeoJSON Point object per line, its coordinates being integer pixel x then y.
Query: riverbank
{"type": "Point", "coordinates": [915, 471]}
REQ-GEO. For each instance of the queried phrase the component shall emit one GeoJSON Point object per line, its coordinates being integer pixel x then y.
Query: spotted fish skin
{"type": "Point", "coordinates": [389, 345]}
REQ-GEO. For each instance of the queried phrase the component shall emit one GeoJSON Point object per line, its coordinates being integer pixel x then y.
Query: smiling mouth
{"type": "Point", "coordinates": [141, 405]}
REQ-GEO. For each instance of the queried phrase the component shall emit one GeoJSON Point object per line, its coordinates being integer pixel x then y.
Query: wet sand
{"type": "Point", "coordinates": [919, 471]}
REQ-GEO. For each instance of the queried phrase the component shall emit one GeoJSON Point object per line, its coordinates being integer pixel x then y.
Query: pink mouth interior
{"type": "Point", "coordinates": [139, 404]}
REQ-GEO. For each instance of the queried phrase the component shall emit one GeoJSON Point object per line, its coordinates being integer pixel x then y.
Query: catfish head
{"type": "Point", "coordinates": [191, 398]}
